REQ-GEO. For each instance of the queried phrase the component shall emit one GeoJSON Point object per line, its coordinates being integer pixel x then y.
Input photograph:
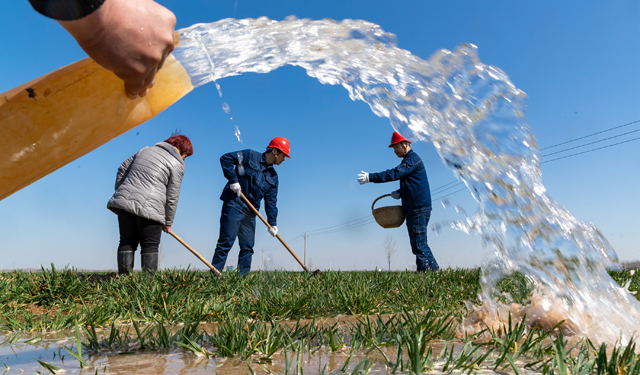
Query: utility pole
{"type": "Point", "coordinates": [262, 261]}
{"type": "Point", "coordinates": [305, 249]}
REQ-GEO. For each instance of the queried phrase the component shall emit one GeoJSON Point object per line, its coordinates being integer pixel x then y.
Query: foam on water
{"type": "Point", "coordinates": [474, 116]}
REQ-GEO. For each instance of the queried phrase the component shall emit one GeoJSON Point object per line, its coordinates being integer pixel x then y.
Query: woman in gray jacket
{"type": "Point", "coordinates": [146, 198]}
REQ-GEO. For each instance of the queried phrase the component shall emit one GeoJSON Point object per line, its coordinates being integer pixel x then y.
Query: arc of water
{"type": "Point", "coordinates": [474, 116]}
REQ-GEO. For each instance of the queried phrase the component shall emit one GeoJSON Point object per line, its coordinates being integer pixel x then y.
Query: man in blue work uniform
{"type": "Point", "coordinates": [251, 173]}
{"type": "Point", "coordinates": [416, 198]}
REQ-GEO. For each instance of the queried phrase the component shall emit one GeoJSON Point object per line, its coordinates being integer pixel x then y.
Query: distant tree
{"type": "Point", "coordinates": [389, 248]}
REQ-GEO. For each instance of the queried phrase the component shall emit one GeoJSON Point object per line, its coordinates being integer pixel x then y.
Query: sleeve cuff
{"type": "Point", "coordinates": [66, 10]}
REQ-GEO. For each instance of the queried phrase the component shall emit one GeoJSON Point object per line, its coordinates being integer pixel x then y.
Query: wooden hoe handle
{"type": "Point", "coordinates": [269, 226]}
{"type": "Point", "coordinates": [212, 268]}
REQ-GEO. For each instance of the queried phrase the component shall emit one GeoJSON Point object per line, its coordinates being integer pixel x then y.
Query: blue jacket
{"type": "Point", "coordinates": [414, 185]}
{"type": "Point", "coordinates": [257, 180]}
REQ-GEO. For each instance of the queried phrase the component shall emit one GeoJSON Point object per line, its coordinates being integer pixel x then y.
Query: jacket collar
{"type": "Point", "coordinates": [172, 150]}
{"type": "Point", "coordinates": [263, 160]}
{"type": "Point", "coordinates": [408, 153]}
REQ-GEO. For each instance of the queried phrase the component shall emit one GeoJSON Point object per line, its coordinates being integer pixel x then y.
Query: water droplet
{"type": "Point", "coordinates": [225, 108]}
{"type": "Point", "coordinates": [437, 228]}
{"type": "Point", "coordinates": [460, 210]}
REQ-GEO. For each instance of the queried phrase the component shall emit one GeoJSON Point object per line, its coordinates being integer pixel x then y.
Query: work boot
{"type": "Point", "coordinates": [125, 262]}
{"type": "Point", "coordinates": [149, 262]}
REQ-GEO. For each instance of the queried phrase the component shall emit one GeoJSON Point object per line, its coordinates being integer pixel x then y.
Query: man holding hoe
{"type": "Point", "coordinates": [250, 173]}
{"type": "Point", "coordinates": [416, 198]}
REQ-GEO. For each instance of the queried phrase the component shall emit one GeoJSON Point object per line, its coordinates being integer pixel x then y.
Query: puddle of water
{"type": "Point", "coordinates": [20, 355]}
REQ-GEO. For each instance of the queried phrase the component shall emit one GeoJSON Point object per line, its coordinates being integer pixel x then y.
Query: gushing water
{"type": "Point", "coordinates": [225, 107]}
{"type": "Point", "coordinates": [474, 116]}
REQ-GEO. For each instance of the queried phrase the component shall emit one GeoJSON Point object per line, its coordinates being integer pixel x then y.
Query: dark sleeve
{"type": "Point", "coordinates": [66, 10]}
{"type": "Point", "coordinates": [228, 163]}
{"type": "Point", "coordinates": [270, 205]}
{"type": "Point", "coordinates": [403, 170]}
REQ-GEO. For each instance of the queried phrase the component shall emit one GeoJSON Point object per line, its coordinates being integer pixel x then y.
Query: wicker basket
{"type": "Point", "coordinates": [389, 216]}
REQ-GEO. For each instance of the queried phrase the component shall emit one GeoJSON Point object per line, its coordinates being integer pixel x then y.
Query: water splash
{"type": "Point", "coordinates": [236, 132]}
{"type": "Point", "coordinates": [205, 52]}
{"type": "Point", "coordinates": [474, 116]}
{"type": "Point", "coordinates": [240, 163]}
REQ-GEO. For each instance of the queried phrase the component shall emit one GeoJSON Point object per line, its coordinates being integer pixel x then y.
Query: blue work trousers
{"type": "Point", "coordinates": [417, 220]}
{"type": "Point", "coordinates": [235, 221]}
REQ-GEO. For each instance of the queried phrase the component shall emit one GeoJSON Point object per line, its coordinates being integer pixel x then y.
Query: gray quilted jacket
{"type": "Point", "coordinates": [148, 183]}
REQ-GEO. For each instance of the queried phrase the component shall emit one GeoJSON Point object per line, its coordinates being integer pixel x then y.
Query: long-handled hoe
{"type": "Point", "coordinates": [212, 268]}
{"type": "Point", "coordinates": [277, 235]}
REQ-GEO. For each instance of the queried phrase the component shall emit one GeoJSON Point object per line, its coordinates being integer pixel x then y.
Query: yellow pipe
{"type": "Point", "coordinates": [63, 115]}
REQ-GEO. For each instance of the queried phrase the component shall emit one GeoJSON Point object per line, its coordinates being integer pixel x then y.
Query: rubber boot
{"type": "Point", "coordinates": [125, 262]}
{"type": "Point", "coordinates": [149, 262]}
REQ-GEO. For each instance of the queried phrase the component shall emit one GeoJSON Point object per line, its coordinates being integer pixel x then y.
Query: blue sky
{"type": "Point", "coordinates": [576, 60]}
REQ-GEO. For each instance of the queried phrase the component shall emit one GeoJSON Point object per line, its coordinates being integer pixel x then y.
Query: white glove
{"type": "Point", "coordinates": [395, 194]}
{"type": "Point", "coordinates": [273, 231]}
{"type": "Point", "coordinates": [363, 178]}
{"type": "Point", "coordinates": [235, 187]}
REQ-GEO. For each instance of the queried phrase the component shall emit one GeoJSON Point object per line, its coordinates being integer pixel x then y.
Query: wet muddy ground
{"type": "Point", "coordinates": [32, 353]}
{"type": "Point", "coordinates": [20, 353]}
{"type": "Point", "coordinates": [22, 356]}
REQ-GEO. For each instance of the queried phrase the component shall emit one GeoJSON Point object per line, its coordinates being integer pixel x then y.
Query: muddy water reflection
{"type": "Point", "coordinates": [19, 351]}
{"type": "Point", "coordinates": [21, 357]}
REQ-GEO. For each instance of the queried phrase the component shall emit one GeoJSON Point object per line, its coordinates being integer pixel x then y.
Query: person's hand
{"type": "Point", "coordinates": [166, 228]}
{"type": "Point", "coordinates": [273, 231]}
{"type": "Point", "coordinates": [130, 38]}
{"type": "Point", "coordinates": [363, 178]}
{"type": "Point", "coordinates": [235, 187]}
{"type": "Point", "coordinates": [395, 194]}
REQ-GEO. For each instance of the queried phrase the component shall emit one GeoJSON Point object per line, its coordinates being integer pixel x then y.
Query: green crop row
{"type": "Point", "coordinates": [54, 299]}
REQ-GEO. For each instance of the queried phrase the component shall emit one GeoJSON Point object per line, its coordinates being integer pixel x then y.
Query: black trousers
{"type": "Point", "coordinates": [136, 230]}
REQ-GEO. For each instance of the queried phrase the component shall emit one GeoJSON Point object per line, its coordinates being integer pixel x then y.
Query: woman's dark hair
{"type": "Point", "coordinates": [182, 142]}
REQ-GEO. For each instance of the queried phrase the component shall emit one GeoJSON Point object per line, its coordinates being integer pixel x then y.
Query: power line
{"type": "Point", "coordinates": [449, 188]}
{"type": "Point", "coordinates": [590, 143]}
{"type": "Point", "coordinates": [351, 226]}
{"type": "Point", "coordinates": [445, 185]}
{"type": "Point", "coordinates": [366, 220]}
{"type": "Point", "coordinates": [339, 225]}
{"type": "Point", "coordinates": [595, 149]}
{"type": "Point", "coordinates": [370, 221]}
{"type": "Point", "coordinates": [457, 191]}
{"type": "Point", "coordinates": [591, 135]}
{"type": "Point", "coordinates": [563, 157]}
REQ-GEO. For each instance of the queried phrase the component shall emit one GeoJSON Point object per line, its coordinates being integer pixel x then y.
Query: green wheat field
{"type": "Point", "coordinates": [408, 319]}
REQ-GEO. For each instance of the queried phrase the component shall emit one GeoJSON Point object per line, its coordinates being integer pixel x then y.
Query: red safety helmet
{"type": "Point", "coordinates": [282, 144]}
{"type": "Point", "coordinates": [397, 138]}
